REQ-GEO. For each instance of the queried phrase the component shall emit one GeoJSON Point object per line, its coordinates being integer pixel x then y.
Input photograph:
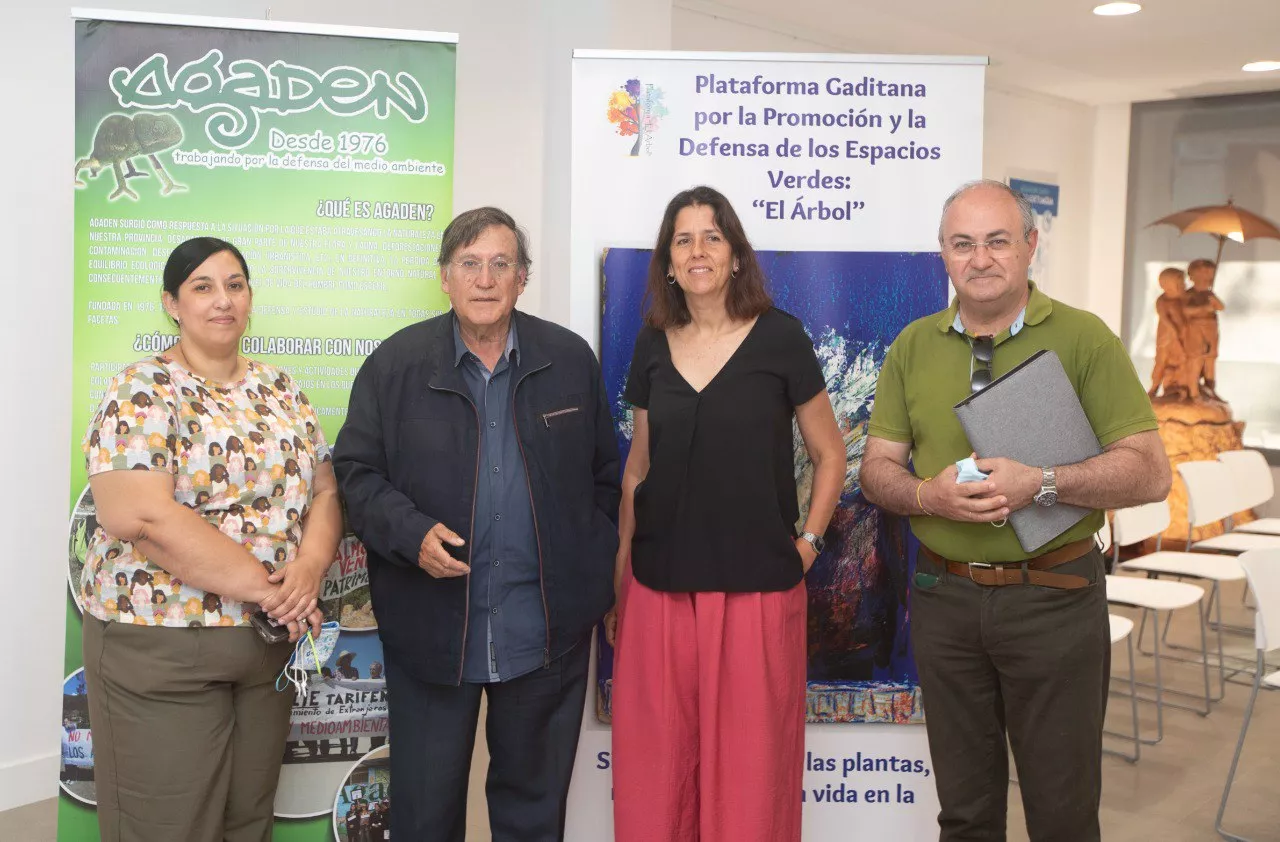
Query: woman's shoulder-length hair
{"type": "Point", "coordinates": [664, 303]}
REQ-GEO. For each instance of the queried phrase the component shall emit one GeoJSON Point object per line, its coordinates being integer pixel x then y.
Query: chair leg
{"type": "Point", "coordinates": [1155, 622]}
{"type": "Point", "coordinates": [1142, 627]}
{"type": "Point", "coordinates": [1215, 595]}
{"type": "Point", "coordinates": [1204, 656]}
{"type": "Point", "coordinates": [1168, 621]}
{"type": "Point", "coordinates": [1235, 760]}
{"type": "Point", "coordinates": [1133, 701]}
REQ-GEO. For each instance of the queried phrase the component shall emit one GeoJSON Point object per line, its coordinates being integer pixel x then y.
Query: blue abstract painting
{"type": "Point", "coordinates": [853, 304]}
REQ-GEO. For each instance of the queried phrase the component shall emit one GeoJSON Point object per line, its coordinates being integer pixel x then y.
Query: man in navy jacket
{"type": "Point", "coordinates": [479, 467]}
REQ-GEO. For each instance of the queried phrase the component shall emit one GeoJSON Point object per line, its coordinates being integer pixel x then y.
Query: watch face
{"type": "Point", "coordinates": [1047, 498]}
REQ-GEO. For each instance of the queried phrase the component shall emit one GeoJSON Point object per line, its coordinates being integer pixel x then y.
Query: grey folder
{"type": "Point", "coordinates": [1032, 415]}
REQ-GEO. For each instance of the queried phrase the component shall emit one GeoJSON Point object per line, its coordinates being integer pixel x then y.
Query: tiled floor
{"type": "Point", "coordinates": [1171, 795]}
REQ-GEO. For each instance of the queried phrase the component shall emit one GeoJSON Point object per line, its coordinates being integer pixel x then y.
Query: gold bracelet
{"type": "Point", "coordinates": [920, 502]}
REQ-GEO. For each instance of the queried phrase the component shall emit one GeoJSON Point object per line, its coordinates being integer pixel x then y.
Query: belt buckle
{"type": "Point", "coordinates": [980, 564]}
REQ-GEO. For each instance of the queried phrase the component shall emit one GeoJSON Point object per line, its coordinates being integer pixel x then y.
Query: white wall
{"type": "Point", "coordinates": [512, 150]}
{"type": "Point", "coordinates": [1043, 138]}
{"type": "Point", "coordinates": [35, 331]}
{"type": "Point", "coordinates": [1108, 213]}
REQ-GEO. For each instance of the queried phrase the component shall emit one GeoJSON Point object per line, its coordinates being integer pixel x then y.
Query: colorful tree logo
{"type": "Point", "coordinates": [637, 110]}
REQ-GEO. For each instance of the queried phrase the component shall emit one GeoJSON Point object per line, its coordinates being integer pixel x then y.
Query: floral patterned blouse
{"type": "Point", "coordinates": [242, 455]}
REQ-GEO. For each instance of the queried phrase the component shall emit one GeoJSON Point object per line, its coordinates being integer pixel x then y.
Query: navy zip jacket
{"type": "Point", "coordinates": [408, 458]}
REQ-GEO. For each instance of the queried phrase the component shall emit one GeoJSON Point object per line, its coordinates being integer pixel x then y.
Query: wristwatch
{"type": "Point", "coordinates": [1048, 494]}
{"type": "Point", "coordinates": [817, 541]}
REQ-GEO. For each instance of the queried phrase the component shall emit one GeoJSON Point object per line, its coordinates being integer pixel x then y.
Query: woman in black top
{"type": "Point", "coordinates": [709, 676]}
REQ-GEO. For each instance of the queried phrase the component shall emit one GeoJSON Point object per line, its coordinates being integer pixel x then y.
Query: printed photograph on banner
{"type": "Point", "coordinates": [343, 717]}
{"type": "Point", "coordinates": [75, 768]}
{"type": "Point", "coordinates": [344, 592]}
{"type": "Point", "coordinates": [1044, 200]}
{"type": "Point", "coordinates": [362, 807]}
{"type": "Point", "coordinates": [84, 522]}
{"type": "Point", "coordinates": [853, 304]}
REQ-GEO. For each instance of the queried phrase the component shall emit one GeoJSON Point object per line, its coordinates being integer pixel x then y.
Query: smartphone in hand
{"type": "Point", "coordinates": [267, 628]}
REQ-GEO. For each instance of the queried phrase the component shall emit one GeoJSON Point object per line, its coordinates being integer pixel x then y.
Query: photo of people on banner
{"type": "Point", "coordinates": [342, 718]}
{"type": "Point", "coordinates": [344, 595]}
{"type": "Point", "coordinates": [75, 771]}
{"type": "Point", "coordinates": [362, 809]}
{"type": "Point", "coordinates": [344, 713]}
{"type": "Point", "coordinates": [852, 304]}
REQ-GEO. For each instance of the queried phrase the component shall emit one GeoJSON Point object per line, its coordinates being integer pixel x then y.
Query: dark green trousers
{"type": "Point", "coordinates": [1024, 664]}
{"type": "Point", "coordinates": [188, 731]}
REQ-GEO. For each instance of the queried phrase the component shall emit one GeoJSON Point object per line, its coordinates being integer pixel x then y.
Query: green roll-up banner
{"type": "Point", "coordinates": [326, 155]}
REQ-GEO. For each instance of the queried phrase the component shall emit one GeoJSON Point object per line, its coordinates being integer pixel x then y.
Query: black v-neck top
{"type": "Point", "coordinates": [718, 509]}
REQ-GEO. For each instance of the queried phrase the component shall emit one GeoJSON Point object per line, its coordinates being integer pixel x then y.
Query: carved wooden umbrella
{"type": "Point", "coordinates": [1225, 222]}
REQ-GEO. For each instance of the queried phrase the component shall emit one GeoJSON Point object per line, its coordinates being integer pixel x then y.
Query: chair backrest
{"type": "Point", "coordinates": [1138, 523]}
{"type": "Point", "coordinates": [1262, 567]}
{"type": "Point", "coordinates": [1251, 476]}
{"type": "Point", "coordinates": [1210, 497]}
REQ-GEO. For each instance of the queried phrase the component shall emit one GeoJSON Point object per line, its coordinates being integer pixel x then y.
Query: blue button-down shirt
{"type": "Point", "coordinates": [1014, 329]}
{"type": "Point", "coordinates": [507, 631]}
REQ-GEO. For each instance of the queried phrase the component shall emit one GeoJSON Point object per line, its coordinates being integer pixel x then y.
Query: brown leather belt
{"type": "Point", "coordinates": [1033, 571]}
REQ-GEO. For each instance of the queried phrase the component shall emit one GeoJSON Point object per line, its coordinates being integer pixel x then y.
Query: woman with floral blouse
{"type": "Point", "coordinates": [191, 543]}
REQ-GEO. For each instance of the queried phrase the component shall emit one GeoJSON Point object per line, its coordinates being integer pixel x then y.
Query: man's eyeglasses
{"type": "Point", "coordinates": [984, 348]}
{"type": "Point", "coordinates": [471, 269]}
{"type": "Point", "coordinates": [998, 247]}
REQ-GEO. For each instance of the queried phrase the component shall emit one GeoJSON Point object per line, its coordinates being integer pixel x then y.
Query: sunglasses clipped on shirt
{"type": "Point", "coordinates": [980, 365]}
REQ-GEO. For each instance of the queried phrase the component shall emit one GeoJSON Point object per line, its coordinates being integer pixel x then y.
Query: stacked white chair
{"type": "Point", "coordinates": [1255, 486]}
{"type": "Point", "coordinates": [1263, 569]}
{"type": "Point", "coordinates": [1211, 498]}
{"type": "Point", "coordinates": [1155, 596]}
{"type": "Point", "coordinates": [1140, 523]}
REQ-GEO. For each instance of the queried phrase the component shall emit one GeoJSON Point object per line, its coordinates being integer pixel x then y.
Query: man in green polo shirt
{"type": "Point", "coordinates": [1018, 652]}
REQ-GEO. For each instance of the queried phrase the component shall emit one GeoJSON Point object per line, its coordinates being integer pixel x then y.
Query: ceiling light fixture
{"type": "Point", "coordinates": [1261, 66]}
{"type": "Point", "coordinates": [1111, 10]}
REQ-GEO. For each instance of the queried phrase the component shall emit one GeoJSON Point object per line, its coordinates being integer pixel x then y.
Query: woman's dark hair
{"type": "Point", "coordinates": [664, 304]}
{"type": "Point", "coordinates": [185, 259]}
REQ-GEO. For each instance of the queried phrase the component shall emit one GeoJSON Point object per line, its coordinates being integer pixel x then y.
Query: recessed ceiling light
{"type": "Point", "coordinates": [1261, 66]}
{"type": "Point", "coordinates": [1117, 9]}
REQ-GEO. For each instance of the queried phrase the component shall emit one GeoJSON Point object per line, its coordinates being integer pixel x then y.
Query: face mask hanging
{"type": "Point", "coordinates": [309, 655]}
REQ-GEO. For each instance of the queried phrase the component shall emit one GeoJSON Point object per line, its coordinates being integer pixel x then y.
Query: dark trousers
{"type": "Point", "coordinates": [532, 732]}
{"type": "Point", "coordinates": [1022, 662]}
{"type": "Point", "coordinates": [189, 731]}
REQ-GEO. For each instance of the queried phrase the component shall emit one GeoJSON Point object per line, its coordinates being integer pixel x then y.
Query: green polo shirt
{"type": "Point", "coordinates": [926, 373]}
